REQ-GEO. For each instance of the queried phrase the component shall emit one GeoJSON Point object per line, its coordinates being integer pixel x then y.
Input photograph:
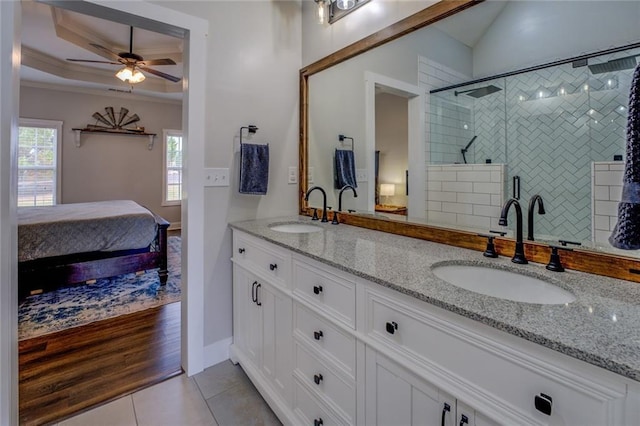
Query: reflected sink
{"type": "Point", "coordinates": [295, 228]}
{"type": "Point", "coordinates": [503, 284]}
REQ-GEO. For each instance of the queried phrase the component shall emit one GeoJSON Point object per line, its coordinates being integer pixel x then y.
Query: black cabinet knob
{"type": "Point", "coordinates": [273, 266]}
{"type": "Point", "coordinates": [464, 420]}
{"type": "Point", "coordinates": [543, 403]}
{"type": "Point", "coordinates": [317, 335]}
{"type": "Point", "coordinates": [317, 378]}
{"type": "Point", "coordinates": [392, 327]}
{"type": "Point", "coordinates": [317, 289]}
{"type": "Point", "coordinates": [241, 250]}
{"type": "Point", "coordinates": [318, 422]}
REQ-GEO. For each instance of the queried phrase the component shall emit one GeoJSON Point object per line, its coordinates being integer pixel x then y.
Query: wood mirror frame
{"type": "Point", "coordinates": [585, 260]}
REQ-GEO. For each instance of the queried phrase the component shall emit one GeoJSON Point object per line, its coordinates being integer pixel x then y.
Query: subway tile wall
{"type": "Point", "coordinates": [465, 195]}
{"type": "Point", "coordinates": [606, 180]}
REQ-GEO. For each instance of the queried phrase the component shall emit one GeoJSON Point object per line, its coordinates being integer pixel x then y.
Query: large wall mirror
{"type": "Point", "coordinates": [500, 99]}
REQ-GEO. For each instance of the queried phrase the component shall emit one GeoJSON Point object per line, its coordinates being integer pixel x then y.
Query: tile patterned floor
{"type": "Point", "coordinates": [221, 395]}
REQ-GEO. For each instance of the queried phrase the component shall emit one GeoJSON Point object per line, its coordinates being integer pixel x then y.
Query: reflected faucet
{"type": "Point", "coordinates": [518, 255]}
{"type": "Point", "coordinates": [532, 204]}
{"type": "Point", "coordinates": [324, 201]}
{"type": "Point", "coordinates": [355, 195]}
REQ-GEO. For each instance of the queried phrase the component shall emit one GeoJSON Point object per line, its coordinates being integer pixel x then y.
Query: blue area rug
{"type": "Point", "coordinates": [107, 298]}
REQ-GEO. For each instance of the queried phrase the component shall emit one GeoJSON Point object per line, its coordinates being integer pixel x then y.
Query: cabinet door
{"type": "Point", "coordinates": [394, 396]}
{"type": "Point", "coordinates": [247, 314]}
{"type": "Point", "coordinates": [277, 344]}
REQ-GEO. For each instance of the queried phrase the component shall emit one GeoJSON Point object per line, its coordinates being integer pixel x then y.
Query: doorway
{"type": "Point", "coordinates": [154, 18]}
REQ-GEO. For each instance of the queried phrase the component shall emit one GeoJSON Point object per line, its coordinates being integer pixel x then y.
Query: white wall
{"type": "Point", "coordinates": [252, 67]}
{"type": "Point", "coordinates": [107, 166]}
{"type": "Point", "coordinates": [535, 32]}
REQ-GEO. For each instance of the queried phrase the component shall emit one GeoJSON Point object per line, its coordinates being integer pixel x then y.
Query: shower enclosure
{"type": "Point", "coordinates": [552, 128]}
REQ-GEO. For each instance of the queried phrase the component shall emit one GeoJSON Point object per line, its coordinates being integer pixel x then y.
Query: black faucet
{"type": "Point", "coordinates": [355, 195]}
{"type": "Point", "coordinates": [324, 201]}
{"type": "Point", "coordinates": [532, 204]}
{"type": "Point", "coordinates": [518, 255]}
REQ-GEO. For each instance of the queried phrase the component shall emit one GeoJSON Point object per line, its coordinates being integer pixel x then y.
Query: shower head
{"type": "Point", "coordinates": [613, 65]}
{"type": "Point", "coordinates": [480, 91]}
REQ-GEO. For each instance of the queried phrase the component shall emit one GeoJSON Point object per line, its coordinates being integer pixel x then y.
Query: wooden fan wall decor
{"type": "Point", "coordinates": [121, 123]}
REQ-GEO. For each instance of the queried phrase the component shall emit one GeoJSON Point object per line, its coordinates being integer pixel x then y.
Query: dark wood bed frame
{"type": "Point", "coordinates": [46, 274]}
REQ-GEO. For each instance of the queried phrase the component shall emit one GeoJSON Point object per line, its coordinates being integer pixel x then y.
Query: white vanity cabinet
{"type": "Point", "coordinates": [327, 347]}
{"type": "Point", "coordinates": [262, 310]}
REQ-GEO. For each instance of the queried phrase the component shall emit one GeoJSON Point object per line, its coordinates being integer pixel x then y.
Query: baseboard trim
{"type": "Point", "coordinates": [217, 352]}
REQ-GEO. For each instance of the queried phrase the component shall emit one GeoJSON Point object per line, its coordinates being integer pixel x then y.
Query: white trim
{"type": "Point", "coordinates": [175, 226]}
{"type": "Point", "coordinates": [165, 134]}
{"type": "Point", "coordinates": [415, 98]}
{"type": "Point", "coordinates": [217, 352]}
{"type": "Point", "coordinates": [50, 124]}
{"type": "Point", "coordinates": [9, 110]}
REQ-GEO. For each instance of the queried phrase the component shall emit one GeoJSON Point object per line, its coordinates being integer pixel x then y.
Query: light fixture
{"type": "Point", "coordinates": [341, 8]}
{"type": "Point", "coordinates": [320, 4]}
{"type": "Point", "coordinates": [387, 190]}
{"type": "Point", "coordinates": [345, 4]}
{"type": "Point", "coordinates": [130, 75]}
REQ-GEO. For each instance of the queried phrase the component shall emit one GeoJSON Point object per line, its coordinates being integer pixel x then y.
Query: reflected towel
{"type": "Point", "coordinates": [344, 170]}
{"type": "Point", "coordinates": [626, 234]}
{"type": "Point", "coordinates": [254, 169]}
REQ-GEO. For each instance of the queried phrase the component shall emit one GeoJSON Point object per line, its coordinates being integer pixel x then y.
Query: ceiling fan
{"type": "Point", "coordinates": [132, 62]}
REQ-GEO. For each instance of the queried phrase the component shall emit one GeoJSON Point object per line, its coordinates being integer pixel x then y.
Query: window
{"type": "Point", "coordinates": [39, 147]}
{"type": "Point", "coordinates": [172, 185]}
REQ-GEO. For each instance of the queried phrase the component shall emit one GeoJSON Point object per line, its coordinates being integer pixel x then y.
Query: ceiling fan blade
{"type": "Point", "coordinates": [160, 74]}
{"type": "Point", "coordinates": [108, 53]}
{"type": "Point", "coordinates": [165, 61]}
{"type": "Point", "coordinates": [93, 62]}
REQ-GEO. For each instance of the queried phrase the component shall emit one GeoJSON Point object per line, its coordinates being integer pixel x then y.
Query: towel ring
{"type": "Point", "coordinates": [250, 129]}
{"type": "Point", "coordinates": [341, 138]}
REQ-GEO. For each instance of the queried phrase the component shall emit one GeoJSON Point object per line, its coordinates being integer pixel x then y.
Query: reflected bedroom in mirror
{"type": "Point", "coordinates": [506, 99]}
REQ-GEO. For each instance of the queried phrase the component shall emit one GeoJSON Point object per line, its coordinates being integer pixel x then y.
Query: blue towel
{"type": "Point", "coordinates": [344, 170]}
{"type": "Point", "coordinates": [626, 234]}
{"type": "Point", "coordinates": [254, 169]}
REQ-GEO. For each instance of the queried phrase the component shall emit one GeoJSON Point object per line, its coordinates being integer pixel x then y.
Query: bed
{"type": "Point", "coordinates": [68, 244]}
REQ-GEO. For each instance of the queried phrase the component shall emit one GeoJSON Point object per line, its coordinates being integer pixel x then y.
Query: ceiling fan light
{"type": "Point", "coordinates": [130, 75]}
{"type": "Point", "coordinates": [345, 4]}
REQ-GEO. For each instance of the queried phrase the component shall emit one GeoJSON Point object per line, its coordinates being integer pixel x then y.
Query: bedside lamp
{"type": "Point", "coordinates": [387, 190]}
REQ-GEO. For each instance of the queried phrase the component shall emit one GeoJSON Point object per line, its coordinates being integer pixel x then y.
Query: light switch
{"type": "Point", "coordinates": [361, 175]}
{"type": "Point", "coordinates": [216, 177]}
{"type": "Point", "coordinates": [293, 175]}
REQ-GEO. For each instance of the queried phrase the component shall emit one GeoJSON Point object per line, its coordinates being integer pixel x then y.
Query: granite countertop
{"type": "Point", "coordinates": [601, 327]}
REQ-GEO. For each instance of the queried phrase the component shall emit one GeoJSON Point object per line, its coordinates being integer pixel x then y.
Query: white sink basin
{"type": "Point", "coordinates": [295, 228]}
{"type": "Point", "coordinates": [503, 284]}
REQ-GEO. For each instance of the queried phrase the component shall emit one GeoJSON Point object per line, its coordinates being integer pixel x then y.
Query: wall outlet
{"type": "Point", "coordinates": [293, 175]}
{"type": "Point", "coordinates": [310, 175]}
{"type": "Point", "coordinates": [216, 177]}
{"type": "Point", "coordinates": [361, 175]}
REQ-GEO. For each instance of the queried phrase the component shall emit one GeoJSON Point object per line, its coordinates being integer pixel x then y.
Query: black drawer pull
{"type": "Point", "coordinates": [392, 327]}
{"type": "Point", "coordinates": [543, 403]}
{"type": "Point", "coordinates": [464, 420]}
{"type": "Point", "coordinates": [317, 335]}
{"type": "Point", "coordinates": [318, 422]}
{"type": "Point", "coordinates": [317, 378]}
{"type": "Point", "coordinates": [240, 250]}
{"type": "Point", "coordinates": [254, 296]}
{"type": "Point", "coordinates": [317, 289]}
{"type": "Point", "coordinates": [258, 302]}
{"type": "Point", "coordinates": [273, 266]}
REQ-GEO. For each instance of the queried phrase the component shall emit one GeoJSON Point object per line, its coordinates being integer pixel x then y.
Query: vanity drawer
{"type": "Point", "coordinates": [265, 259]}
{"type": "Point", "coordinates": [311, 411]}
{"type": "Point", "coordinates": [328, 340]}
{"type": "Point", "coordinates": [325, 290]}
{"type": "Point", "coordinates": [337, 391]}
{"type": "Point", "coordinates": [490, 366]}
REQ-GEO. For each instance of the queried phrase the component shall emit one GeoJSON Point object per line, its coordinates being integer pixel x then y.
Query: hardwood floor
{"type": "Point", "coordinates": [67, 372]}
